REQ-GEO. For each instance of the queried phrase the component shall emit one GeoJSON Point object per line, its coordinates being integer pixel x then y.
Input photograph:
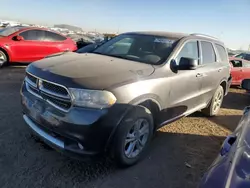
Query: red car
{"type": "Point", "coordinates": [240, 70]}
{"type": "Point", "coordinates": [28, 44]}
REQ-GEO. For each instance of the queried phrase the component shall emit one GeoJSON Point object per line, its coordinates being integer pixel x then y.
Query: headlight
{"type": "Point", "coordinates": [92, 98]}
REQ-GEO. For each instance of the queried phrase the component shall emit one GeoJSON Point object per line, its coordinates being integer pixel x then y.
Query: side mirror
{"type": "Point", "coordinates": [187, 64]}
{"type": "Point", "coordinates": [246, 84]}
{"type": "Point", "coordinates": [18, 38]}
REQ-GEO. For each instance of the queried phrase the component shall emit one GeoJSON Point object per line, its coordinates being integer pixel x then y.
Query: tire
{"type": "Point", "coordinates": [129, 154]}
{"type": "Point", "coordinates": [215, 104]}
{"type": "Point", "coordinates": [3, 58]}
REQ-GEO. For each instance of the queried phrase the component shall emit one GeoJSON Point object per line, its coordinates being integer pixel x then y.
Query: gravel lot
{"type": "Point", "coordinates": [194, 140]}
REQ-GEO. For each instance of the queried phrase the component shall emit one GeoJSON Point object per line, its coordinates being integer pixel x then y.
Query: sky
{"type": "Point", "coordinates": [225, 19]}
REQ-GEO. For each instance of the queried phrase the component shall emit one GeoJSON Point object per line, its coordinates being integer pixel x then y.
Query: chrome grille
{"type": "Point", "coordinates": [56, 95]}
{"type": "Point", "coordinates": [55, 88]}
{"type": "Point", "coordinates": [31, 78]}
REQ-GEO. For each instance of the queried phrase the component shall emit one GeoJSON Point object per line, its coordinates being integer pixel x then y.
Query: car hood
{"type": "Point", "coordinates": [90, 71]}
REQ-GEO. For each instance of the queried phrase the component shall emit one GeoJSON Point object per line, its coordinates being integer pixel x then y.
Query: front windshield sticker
{"type": "Point", "coordinates": [163, 40]}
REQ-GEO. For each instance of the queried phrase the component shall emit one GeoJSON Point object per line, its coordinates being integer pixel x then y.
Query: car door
{"type": "Point", "coordinates": [55, 43]}
{"type": "Point", "coordinates": [211, 71]}
{"type": "Point", "coordinates": [185, 84]}
{"type": "Point", "coordinates": [29, 49]}
{"type": "Point", "coordinates": [236, 71]}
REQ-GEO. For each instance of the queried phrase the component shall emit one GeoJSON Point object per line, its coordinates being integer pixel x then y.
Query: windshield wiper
{"type": "Point", "coordinates": [117, 56]}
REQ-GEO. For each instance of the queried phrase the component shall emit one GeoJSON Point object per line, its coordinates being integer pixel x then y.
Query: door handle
{"type": "Point", "coordinates": [219, 70]}
{"type": "Point", "coordinates": [199, 75]}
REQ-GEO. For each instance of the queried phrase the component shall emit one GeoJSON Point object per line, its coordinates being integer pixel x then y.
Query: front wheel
{"type": "Point", "coordinates": [3, 59]}
{"type": "Point", "coordinates": [214, 107]}
{"type": "Point", "coordinates": [133, 136]}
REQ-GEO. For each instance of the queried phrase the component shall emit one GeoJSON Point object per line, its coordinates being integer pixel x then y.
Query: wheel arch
{"type": "Point", "coordinates": [144, 100]}
{"type": "Point", "coordinates": [147, 97]}
{"type": "Point", "coordinates": [223, 83]}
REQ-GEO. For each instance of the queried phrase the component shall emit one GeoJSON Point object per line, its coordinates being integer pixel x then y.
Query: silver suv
{"type": "Point", "coordinates": [113, 99]}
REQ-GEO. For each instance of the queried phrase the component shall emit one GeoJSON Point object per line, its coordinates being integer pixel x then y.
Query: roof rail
{"type": "Point", "coordinates": [203, 35]}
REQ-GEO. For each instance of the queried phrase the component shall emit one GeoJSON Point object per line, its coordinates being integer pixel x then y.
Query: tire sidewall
{"type": "Point", "coordinates": [219, 89]}
{"type": "Point", "coordinates": [121, 134]}
{"type": "Point", "coordinates": [5, 57]}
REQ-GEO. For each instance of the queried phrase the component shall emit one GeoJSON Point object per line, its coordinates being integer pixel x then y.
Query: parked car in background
{"type": "Point", "coordinates": [230, 54]}
{"type": "Point", "coordinates": [81, 40]}
{"type": "Point", "coordinates": [28, 44]}
{"type": "Point", "coordinates": [245, 56]}
{"type": "Point", "coordinates": [231, 168]}
{"type": "Point", "coordinates": [113, 99]}
{"type": "Point", "coordinates": [246, 85]}
{"type": "Point", "coordinates": [91, 47]}
{"type": "Point", "coordinates": [240, 70]}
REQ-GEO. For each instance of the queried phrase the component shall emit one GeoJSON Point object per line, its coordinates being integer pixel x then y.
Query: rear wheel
{"type": "Point", "coordinates": [133, 136]}
{"type": "Point", "coordinates": [214, 107]}
{"type": "Point", "coordinates": [3, 58]}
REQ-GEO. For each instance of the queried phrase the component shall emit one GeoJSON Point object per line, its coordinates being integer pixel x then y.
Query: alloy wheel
{"type": "Point", "coordinates": [218, 101]}
{"type": "Point", "coordinates": [2, 58]}
{"type": "Point", "coordinates": [136, 138]}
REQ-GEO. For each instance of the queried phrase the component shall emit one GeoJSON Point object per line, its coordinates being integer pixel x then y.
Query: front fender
{"type": "Point", "coordinates": [156, 99]}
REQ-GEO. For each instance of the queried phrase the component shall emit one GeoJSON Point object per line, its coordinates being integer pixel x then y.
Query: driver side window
{"type": "Point", "coordinates": [189, 50]}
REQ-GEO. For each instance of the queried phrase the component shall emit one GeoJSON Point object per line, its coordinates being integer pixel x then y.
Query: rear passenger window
{"type": "Point", "coordinates": [208, 54]}
{"type": "Point", "coordinates": [50, 36]}
{"type": "Point", "coordinates": [189, 50]}
{"type": "Point", "coordinates": [222, 52]}
{"type": "Point", "coordinates": [33, 35]}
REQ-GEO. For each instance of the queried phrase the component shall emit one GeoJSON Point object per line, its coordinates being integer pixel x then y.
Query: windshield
{"type": "Point", "coordinates": [9, 30]}
{"type": "Point", "coordinates": [148, 49]}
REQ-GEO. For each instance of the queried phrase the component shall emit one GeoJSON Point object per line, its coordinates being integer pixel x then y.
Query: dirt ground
{"type": "Point", "coordinates": [193, 140]}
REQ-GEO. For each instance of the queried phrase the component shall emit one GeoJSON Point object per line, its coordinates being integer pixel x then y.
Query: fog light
{"type": "Point", "coordinates": [80, 146]}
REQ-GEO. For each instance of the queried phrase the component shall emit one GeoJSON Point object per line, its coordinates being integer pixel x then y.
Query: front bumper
{"type": "Point", "coordinates": [79, 131]}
